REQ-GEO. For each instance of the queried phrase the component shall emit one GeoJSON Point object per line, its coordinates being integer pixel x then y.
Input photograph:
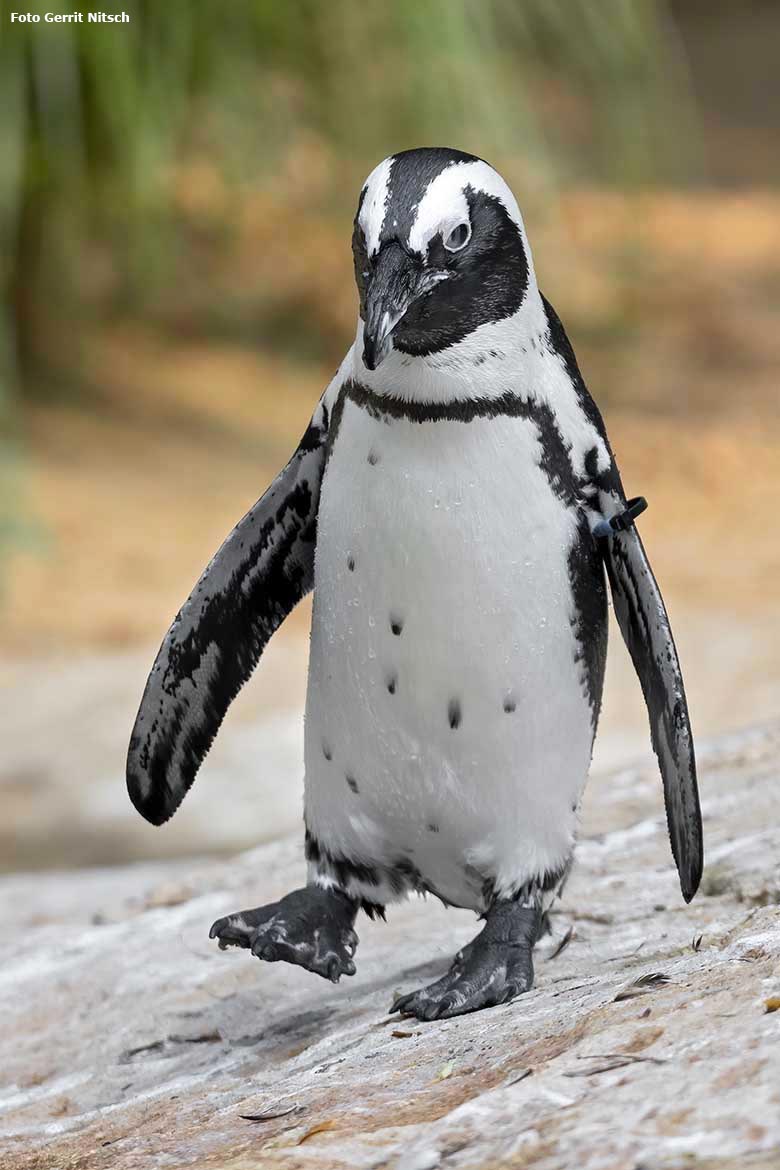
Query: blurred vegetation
{"type": "Point", "coordinates": [100, 121]}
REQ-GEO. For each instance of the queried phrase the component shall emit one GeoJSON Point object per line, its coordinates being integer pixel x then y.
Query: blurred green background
{"type": "Point", "coordinates": [176, 198]}
{"type": "Point", "coordinates": [128, 153]}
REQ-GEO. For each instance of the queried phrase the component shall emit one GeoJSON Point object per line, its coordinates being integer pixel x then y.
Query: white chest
{"type": "Point", "coordinates": [442, 669]}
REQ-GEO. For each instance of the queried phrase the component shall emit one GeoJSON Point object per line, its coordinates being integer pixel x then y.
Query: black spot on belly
{"type": "Point", "coordinates": [510, 703]}
{"type": "Point", "coordinates": [391, 682]}
{"type": "Point", "coordinates": [327, 753]}
{"type": "Point", "coordinates": [351, 563]}
{"type": "Point", "coordinates": [396, 624]}
{"type": "Point", "coordinates": [373, 458]}
{"type": "Point", "coordinates": [454, 713]}
{"type": "Point", "coordinates": [352, 783]}
{"type": "Point", "coordinates": [433, 827]}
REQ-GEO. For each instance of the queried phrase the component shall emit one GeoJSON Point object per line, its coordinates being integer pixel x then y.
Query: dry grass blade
{"type": "Point", "coordinates": [628, 1057]}
{"type": "Point", "coordinates": [321, 1127]}
{"type": "Point", "coordinates": [271, 1114]}
{"type": "Point", "coordinates": [629, 954]}
{"type": "Point", "coordinates": [130, 1053]}
{"type": "Point", "coordinates": [562, 945]}
{"type": "Point", "coordinates": [610, 1062]}
{"type": "Point", "coordinates": [213, 1037]}
{"type": "Point", "coordinates": [652, 981]}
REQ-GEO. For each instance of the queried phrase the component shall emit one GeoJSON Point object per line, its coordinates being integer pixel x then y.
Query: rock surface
{"type": "Point", "coordinates": [649, 1041]}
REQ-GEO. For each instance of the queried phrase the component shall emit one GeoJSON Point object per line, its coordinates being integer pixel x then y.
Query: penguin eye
{"type": "Point", "coordinates": [458, 237]}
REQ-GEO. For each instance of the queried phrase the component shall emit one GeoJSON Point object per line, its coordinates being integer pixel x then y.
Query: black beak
{"type": "Point", "coordinates": [396, 281]}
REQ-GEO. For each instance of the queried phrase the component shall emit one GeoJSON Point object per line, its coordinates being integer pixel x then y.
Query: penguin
{"type": "Point", "coordinates": [456, 508]}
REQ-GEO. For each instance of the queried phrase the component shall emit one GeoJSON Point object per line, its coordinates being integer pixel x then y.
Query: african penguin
{"type": "Point", "coordinates": [453, 503]}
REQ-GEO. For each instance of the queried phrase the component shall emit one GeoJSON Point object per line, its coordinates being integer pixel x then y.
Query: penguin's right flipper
{"type": "Point", "coordinates": [644, 624]}
{"type": "Point", "coordinates": [249, 587]}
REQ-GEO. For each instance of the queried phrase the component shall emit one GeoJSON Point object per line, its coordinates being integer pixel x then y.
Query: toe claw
{"type": "Point", "coordinates": [263, 949]}
{"type": "Point", "coordinates": [444, 1006]}
{"type": "Point", "coordinates": [351, 941]}
{"type": "Point", "coordinates": [334, 970]}
{"type": "Point", "coordinates": [228, 935]}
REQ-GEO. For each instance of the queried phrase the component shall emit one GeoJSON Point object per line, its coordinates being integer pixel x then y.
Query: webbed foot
{"type": "Point", "coordinates": [493, 968]}
{"type": "Point", "coordinates": [312, 928]}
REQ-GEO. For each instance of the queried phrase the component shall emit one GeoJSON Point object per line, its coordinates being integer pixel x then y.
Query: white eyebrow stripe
{"type": "Point", "coordinates": [445, 196]}
{"type": "Point", "coordinates": [372, 213]}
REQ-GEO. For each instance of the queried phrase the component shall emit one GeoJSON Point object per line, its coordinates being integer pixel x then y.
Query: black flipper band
{"type": "Point", "coordinates": [623, 520]}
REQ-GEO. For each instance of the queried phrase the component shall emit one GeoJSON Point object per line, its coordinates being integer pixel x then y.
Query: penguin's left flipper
{"type": "Point", "coordinates": [644, 624]}
{"type": "Point", "coordinates": [255, 579]}
{"type": "Point", "coordinates": [492, 969]}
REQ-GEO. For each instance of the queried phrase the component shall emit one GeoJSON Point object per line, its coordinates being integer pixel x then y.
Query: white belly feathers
{"type": "Point", "coordinates": [446, 725]}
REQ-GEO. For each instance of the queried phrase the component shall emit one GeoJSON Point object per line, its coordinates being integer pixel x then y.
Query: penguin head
{"type": "Point", "coordinates": [439, 249]}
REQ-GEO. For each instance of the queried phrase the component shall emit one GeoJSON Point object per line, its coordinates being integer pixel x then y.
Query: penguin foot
{"type": "Point", "coordinates": [312, 928]}
{"type": "Point", "coordinates": [492, 969]}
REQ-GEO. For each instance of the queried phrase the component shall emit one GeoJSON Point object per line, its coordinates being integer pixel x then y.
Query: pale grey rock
{"type": "Point", "coordinates": [132, 1043]}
